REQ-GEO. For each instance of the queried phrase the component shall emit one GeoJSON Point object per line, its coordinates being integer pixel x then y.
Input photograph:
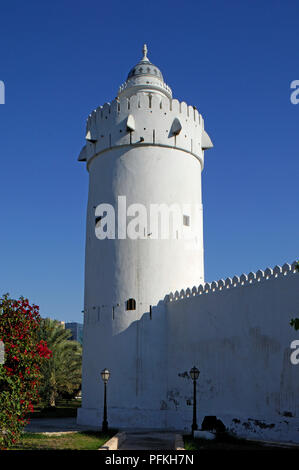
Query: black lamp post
{"type": "Point", "coordinates": [194, 373]}
{"type": "Point", "coordinates": [105, 376]}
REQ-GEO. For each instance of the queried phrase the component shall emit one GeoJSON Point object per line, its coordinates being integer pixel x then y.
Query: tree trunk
{"type": "Point", "coordinates": [52, 399]}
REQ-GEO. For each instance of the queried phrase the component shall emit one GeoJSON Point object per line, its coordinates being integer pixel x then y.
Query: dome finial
{"type": "Point", "coordinates": [144, 51]}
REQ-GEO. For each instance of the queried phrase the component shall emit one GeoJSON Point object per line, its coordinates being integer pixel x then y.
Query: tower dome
{"type": "Point", "coordinates": [144, 77]}
{"type": "Point", "coordinates": [145, 67]}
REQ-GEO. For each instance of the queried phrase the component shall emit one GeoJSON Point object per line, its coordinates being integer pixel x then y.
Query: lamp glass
{"type": "Point", "coordinates": [105, 375]}
{"type": "Point", "coordinates": [194, 372]}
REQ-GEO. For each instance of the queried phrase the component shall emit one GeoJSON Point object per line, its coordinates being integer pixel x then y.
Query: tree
{"type": "Point", "coordinates": [61, 375]}
{"type": "Point", "coordinates": [295, 321]}
{"type": "Point", "coordinates": [20, 375]}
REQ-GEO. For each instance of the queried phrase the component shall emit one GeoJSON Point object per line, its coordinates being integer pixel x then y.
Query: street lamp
{"type": "Point", "coordinates": [194, 373]}
{"type": "Point", "coordinates": [105, 376]}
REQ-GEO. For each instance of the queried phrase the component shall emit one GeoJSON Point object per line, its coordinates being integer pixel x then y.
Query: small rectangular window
{"type": "Point", "coordinates": [186, 220]}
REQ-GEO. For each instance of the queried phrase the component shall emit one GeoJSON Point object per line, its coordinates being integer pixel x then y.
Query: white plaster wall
{"type": "Point", "coordinates": [145, 269]}
{"type": "Point", "coordinates": [136, 358]}
{"type": "Point", "coordinates": [239, 337]}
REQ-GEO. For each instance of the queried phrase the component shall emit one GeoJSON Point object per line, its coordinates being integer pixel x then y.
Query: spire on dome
{"type": "Point", "coordinates": [144, 51]}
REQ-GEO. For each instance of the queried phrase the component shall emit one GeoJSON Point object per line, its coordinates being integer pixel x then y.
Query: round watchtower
{"type": "Point", "coordinates": [145, 153]}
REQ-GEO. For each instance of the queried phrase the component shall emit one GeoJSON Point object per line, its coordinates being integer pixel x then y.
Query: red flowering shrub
{"type": "Point", "coordinates": [20, 374]}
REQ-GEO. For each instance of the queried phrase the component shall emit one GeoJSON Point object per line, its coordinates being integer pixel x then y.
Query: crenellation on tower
{"type": "Point", "coordinates": [153, 116]}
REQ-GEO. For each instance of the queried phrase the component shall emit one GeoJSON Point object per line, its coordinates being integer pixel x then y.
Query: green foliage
{"type": "Point", "coordinates": [20, 374]}
{"type": "Point", "coordinates": [295, 323]}
{"type": "Point", "coordinates": [61, 375]}
{"type": "Point", "coordinates": [64, 408]}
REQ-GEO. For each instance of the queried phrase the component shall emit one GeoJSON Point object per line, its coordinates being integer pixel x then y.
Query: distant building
{"type": "Point", "coordinates": [77, 331]}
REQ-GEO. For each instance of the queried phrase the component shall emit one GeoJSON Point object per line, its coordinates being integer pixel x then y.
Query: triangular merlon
{"type": "Point", "coordinates": [82, 156]}
{"type": "Point", "coordinates": [206, 141]}
{"type": "Point", "coordinates": [131, 123]}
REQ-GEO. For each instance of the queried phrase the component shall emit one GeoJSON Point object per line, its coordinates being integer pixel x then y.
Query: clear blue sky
{"type": "Point", "coordinates": [59, 60]}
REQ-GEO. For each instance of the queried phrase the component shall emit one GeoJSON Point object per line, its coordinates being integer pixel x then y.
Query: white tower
{"type": "Point", "coordinates": [144, 148]}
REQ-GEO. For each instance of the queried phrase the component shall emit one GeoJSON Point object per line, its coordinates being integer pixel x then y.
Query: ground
{"type": "Point", "coordinates": [225, 441]}
{"type": "Point", "coordinates": [84, 440]}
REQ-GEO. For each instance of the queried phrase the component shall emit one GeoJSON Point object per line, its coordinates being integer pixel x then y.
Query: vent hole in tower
{"type": "Point", "coordinates": [186, 220]}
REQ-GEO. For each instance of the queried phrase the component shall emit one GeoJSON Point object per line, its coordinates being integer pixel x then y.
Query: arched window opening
{"type": "Point", "coordinates": [131, 304]}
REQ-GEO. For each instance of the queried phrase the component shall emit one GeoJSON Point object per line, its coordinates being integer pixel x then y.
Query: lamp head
{"type": "Point", "coordinates": [194, 372]}
{"type": "Point", "coordinates": [105, 375]}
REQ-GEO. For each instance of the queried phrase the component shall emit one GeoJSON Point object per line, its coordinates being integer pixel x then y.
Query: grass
{"type": "Point", "coordinates": [224, 441]}
{"type": "Point", "coordinates": [85, 440]}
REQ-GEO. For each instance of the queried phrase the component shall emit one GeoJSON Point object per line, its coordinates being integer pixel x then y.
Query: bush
{"type": "Point", "coordinates": [20, 374]}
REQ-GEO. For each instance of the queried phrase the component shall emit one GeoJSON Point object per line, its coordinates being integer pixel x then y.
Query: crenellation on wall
{"type": "Point", "coordinates": [277, 271]}
{"type": "Point", "coordinates": [235, 282]}
{"type": "Point", "coordinates": [244, 280]}
{"type": "Point", "coordinates": [251, 277]}
{"type": "Point", "coordinates": [259, 275]}
{"type": "Point", "coordinates": [188, 292]}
